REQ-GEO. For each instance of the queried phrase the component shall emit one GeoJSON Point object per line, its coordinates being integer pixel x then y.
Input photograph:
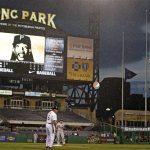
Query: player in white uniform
{"type": "Point", "coordinates": [51, 127]}
{"type": "Point", "coordinates": [60, 132]}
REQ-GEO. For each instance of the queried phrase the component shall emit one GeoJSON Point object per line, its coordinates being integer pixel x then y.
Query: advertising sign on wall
{"type": "Point", "coordinates": [5, 92]}
{"type": "Point", "coordinates": [80, 59]}
{"type": "Point", "coordinates": [7, 137]}
{"type": "Point", "coordinates": [80, 47]}
{"type": "Point", "coordinates": [79, 69]}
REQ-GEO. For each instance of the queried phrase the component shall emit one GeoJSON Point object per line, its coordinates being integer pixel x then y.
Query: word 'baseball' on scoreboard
{"type": "Point", "coordinates": [40, 17]}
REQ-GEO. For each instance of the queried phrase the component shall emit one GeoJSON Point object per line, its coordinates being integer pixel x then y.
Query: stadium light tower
{"type": "Point", "coordinates": [94, 32]}
{"type": "Point", "coordinates": [87, 92]}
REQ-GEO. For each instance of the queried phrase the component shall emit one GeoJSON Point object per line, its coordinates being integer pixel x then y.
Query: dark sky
{"type": "Point", "coordinates": [115, 17]}
{"type": "Point", "coordinates": [119, 16]}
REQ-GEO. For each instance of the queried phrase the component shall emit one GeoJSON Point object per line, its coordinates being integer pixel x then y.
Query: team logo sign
{"type": "Point", "coordinates": [85, 66]}
{"type": "Point", "coordinates": [76, 66]}
{"type": "Point", "coordinates": [79, 69]}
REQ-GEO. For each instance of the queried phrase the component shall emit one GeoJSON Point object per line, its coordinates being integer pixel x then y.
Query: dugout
{"type": "Point", "coordinates": [135, 136]}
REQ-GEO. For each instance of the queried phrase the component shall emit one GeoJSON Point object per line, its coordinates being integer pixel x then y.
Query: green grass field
{"type": "Point", "coordinates": [31, 146]}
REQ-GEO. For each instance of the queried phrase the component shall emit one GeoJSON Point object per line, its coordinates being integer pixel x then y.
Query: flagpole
{"type": "Point", "coordinates": [122, 103]}
{"type": "Point", "coordinates": [146, 58]}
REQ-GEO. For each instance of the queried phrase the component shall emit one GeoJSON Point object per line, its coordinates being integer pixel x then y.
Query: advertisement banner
{"type": "Point", "coordinates": [7, 137]}
{"type": "Point", "coordinates": [80, 48]}
{"type": "Point", "coordinates": [79, 69]}
{"type": "Point", "coordinates": [5, 92]}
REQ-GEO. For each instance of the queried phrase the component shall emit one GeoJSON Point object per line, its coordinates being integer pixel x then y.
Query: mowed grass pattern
{"type": "Point", "coordinates": [31, 146]}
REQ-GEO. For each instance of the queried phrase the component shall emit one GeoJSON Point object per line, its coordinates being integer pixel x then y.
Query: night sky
{"type": "Point", "coordinates": [115, 16]}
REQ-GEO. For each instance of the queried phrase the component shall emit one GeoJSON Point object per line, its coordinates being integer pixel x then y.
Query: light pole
{"type": "Point", "coordinates": [122, 95]}
{"type": "Point", "coordinates": [108, 113]}
{"type": "Point", "coordinates": [146, 59]}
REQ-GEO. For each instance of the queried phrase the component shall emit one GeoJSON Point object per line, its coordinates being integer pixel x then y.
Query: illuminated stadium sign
{"type": "Point", "coordinates": [40, 17]}
{"type": "Point", "coordinates": [29, 46]}
{"type": "Point", "coordinates": [5, 92]}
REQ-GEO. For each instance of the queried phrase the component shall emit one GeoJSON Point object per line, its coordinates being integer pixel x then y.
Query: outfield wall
{"type": "Point", "coordinates": [71, 139]}
{"type": "Point", "coordinates": [28, 138]}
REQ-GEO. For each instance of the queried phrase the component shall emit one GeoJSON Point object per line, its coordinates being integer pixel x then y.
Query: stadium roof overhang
{"type": "Point", "coordinates": [26, 122]}
{"type": "Point", "coordinates": [43, 123]}
{"type": "Point", "coordinates": [79, 124]}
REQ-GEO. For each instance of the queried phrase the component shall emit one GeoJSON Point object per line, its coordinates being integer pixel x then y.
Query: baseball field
{"type": "Point", "coordinates": [31, 146]}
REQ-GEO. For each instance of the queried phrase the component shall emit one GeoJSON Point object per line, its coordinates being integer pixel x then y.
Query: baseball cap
{"type": "Point", "coordinates": [22, 39]}
{"type": "Point", "coordinates": [55, 107]}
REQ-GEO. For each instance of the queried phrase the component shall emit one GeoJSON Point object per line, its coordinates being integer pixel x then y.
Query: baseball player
{"type": "Point", "coordinates": [51, 127]}
{"type": "Point", "coordinates": [21, 52]}
{"type": "Point", "coordinates": [60, 132]}
{"type": "Point", "coordinates": [22, 49]}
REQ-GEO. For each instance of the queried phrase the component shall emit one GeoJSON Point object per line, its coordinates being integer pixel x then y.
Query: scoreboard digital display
{"type": "Point", "coordinates": [31, 55]}
{"type": "Point", "coordinates": [54, 50]}
{"type": "Point", "coordinates": [31, 45]}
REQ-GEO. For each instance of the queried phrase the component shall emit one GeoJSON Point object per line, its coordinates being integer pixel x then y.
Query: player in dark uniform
{"type": "Point", "coordinates": [21, 54]}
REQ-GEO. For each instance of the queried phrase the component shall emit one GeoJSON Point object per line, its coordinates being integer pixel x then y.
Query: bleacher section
{"type": "Point", "coordinates": [20, 114]}
{"type": "Point", "coordinates": [26, 116]}
{"type": "Point", "coordinates": [69, 117]}
{"type": "Point", "coordinates": [25, 121]}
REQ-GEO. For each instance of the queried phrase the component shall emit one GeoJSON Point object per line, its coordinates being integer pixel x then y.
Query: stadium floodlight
{"type": "Point", "coordinates": [107, 109]}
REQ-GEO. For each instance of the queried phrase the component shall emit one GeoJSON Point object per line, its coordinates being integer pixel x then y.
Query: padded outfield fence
{"type": "Point", "coordinates": [101, 133]}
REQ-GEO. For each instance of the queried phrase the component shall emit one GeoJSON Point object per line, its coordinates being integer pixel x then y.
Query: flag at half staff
{"type": "Point", "coordinates": [129, 74]}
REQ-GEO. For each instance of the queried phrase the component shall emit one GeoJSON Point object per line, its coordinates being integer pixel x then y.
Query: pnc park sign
{"type": "Point", "coordinates": [24, 15]}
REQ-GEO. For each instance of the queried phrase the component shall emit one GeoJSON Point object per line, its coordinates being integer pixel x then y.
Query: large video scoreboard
{"type": "Point", "coordinates": [32, 46]}
{"type": "Point", "coordinates": [28, 45]}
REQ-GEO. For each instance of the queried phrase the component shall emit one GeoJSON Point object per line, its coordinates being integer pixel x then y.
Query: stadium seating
{"type": "Point", "coordinates": [40, 115]}
{"type": "Point", "coordinates": [20, 114]}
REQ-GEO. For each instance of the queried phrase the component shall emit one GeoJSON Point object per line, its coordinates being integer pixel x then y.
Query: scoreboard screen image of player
{"type": "Point", "coordinates": [32, 55]}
